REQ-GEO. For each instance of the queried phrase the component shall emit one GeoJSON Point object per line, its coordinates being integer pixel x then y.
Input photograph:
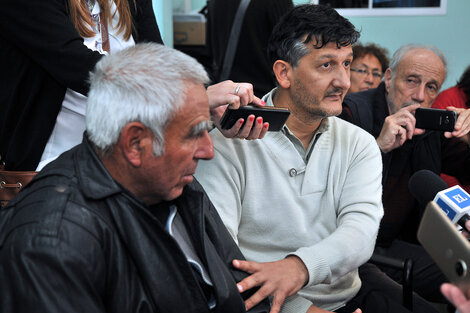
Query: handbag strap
{"type": "Point", "coordinates": [233, 39]}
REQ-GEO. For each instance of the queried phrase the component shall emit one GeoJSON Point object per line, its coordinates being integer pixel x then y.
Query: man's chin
{"type": "Point", "coordinates": [187, 179]}
{"type": "Point", "coordinates": [333, 109]}
{"type": "Point", "coordinates": [174, 193]}
{"type": "Point", "coordinates": [177, 190]}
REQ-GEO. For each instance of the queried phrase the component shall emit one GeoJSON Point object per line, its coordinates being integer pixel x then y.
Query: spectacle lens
{"type": "Point", "coordinates": [364, 72]}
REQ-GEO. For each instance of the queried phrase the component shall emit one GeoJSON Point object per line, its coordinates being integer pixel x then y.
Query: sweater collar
{"type": "Point", "coordinates": [324, 126]}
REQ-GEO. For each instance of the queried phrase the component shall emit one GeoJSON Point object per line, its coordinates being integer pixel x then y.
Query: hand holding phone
{"type": "Point", "coordinates": [276, 117]}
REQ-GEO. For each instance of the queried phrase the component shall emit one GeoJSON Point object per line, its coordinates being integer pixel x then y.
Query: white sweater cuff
{"type": "Point", "coordinates": [317, 267]}
{"type": "Point", "coordinates": [295, 304]}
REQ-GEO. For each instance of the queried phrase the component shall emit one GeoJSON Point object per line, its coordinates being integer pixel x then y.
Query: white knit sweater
{"type": "Point", "coordinates": [328, 214]}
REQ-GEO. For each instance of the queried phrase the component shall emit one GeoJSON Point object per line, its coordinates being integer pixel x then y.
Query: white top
{"type": "Point", "coordinates": [327, 211]}
{"type": "Point", "coordinates": [70, 123]}
{"type": "Point", "coordinates": [175, 227]}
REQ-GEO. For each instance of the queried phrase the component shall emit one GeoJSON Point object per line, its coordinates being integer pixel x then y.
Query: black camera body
{"type": "Point", "coordinates": [435, 119]}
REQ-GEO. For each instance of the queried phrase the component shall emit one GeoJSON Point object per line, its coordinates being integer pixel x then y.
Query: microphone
{"type": "Point", "coordinates": [425, 186]}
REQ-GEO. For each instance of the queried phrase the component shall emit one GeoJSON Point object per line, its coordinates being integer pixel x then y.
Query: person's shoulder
{"type": "Point", "coordinates": [236, 153]}
{"type": "Point", "coordinates": [49, 213]}
{"type": "Point", "coordinates": [349, 129]}
{"type": "Point", "coordinates": [359, 108]}
{"type": "Point", "coordinates": [224, 144]}
{"type": "Point", "coordinates": [452, 96]}
{"type": "Point", "coordinates": [361, 98]}
{"type": "Point", "coordinates": [49, 230]}
{"type": "Point", "coordinates": [350, 133]}
{"type": "Point", "coordinates": [448, 91]}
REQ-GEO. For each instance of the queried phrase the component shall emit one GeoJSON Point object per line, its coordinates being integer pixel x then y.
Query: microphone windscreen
{"type": "Point", "coordinates": [424, 185]}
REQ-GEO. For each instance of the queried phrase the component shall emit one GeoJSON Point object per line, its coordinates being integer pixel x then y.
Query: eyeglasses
{"type": "Point", "coordinates": [366, 72]}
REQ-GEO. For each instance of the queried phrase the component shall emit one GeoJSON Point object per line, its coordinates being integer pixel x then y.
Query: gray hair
{"type": "Point", "coordinates": [403, 50]}
{"type": "Point", "coordinates": [144, 83]}
{"type": "Point", "coordinates": [298, 50]}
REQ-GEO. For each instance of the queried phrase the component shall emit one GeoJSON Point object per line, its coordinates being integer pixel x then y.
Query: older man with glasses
{"type": "Point", "coordinates": [413, 80]}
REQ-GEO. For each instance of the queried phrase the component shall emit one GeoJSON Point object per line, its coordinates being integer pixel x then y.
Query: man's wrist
{"type": "Point", "coordinates": [304, 275]}
{"type": "Point", "coordinates": [383, 150]}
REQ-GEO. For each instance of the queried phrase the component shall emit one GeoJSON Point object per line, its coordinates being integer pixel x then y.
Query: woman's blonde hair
{"type": "Point", "coordinates": [81, 18]}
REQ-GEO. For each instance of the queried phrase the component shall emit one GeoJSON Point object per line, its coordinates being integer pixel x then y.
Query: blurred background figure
{"type": "Point", "coordinates": [369, 64]}
{"type": "Point", "coordinates": [45, 72]}
{"type": "Point", "coordinates": [457, 96]}
{"type": "Point", "coordinates": [250, 62]}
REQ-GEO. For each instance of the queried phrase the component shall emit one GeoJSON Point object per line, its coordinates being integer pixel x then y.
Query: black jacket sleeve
{"type": "Point", "coordinates": [47, 263]}
{"type": "Point", "coordinates": [43, 31]}
{"type": "Point", "coordinates": [38, 272]}
{"type": "Point", "coordinates": [228, 251]}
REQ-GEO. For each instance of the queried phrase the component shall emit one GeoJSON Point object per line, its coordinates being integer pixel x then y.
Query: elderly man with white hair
{"type": "Point", "coordinates": [118, 223]}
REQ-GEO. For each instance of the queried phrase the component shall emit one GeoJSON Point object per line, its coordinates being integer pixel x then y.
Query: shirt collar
{"type": "Point", "coordinates": [324, 126]}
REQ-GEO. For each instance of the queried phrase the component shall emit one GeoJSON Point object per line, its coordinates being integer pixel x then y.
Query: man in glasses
{"type": "Point", "coordinates": [370, 62]}
{"type": "Point", "coordinates": [413, 80]}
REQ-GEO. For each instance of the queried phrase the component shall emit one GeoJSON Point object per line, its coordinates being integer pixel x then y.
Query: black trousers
{"type": "Point", "coordinates": [427, 277]}
{"type": "Point", "coordinates": [379, 293]}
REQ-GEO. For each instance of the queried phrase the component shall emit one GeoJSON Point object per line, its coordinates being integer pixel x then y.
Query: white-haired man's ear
{"type": "Point", "coordinates": [134, 141]}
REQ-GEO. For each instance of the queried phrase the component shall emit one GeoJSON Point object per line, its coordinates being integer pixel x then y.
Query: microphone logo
{"type": "Point", "coordinates": [459, 198]}
{"type": "Point", "coordinates": [455, 202]}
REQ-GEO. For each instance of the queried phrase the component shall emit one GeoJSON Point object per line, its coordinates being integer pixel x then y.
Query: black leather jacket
{"type": "Point", "coordinates": [74, 240]}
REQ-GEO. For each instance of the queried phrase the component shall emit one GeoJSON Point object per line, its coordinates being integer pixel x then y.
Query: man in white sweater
{"type": "Point", "coordinates": [304, 204]}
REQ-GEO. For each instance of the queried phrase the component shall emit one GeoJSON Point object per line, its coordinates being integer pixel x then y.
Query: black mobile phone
{"type": "Point", "coordinates": [435, 119]}
{"type": "Point", "coordinates": [276, 117]}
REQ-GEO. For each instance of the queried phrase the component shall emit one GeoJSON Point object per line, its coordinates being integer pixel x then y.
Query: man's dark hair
{"type": "Point", "coordinates": [464, 85]}
{"type": "Point", "coordinates": [303, 23]}
{"type": "Point", "coordinates": [380, 53]}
